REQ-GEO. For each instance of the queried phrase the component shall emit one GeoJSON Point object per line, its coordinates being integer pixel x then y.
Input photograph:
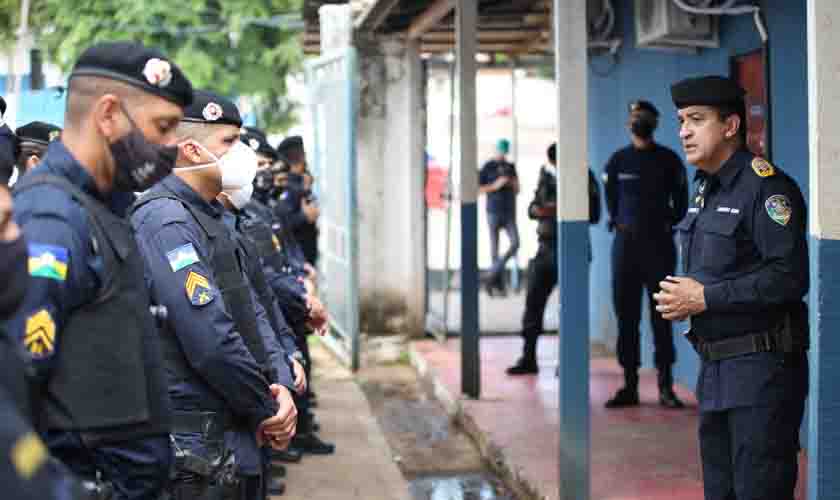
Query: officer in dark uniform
{"type": "Point", "coordinates": [646, 191]}
{"type": "Point", "coordinates": [542, 270]}
{"type": "Point", "coordinates": [745, 257]}
{"type": "Point", "coordinates": [27, 472]}
{"type": "Point", "coordinates": [102, 401]}
{"type": "Point", "coordinates": [230, 389]}
{"type": "Point", "coordinates": [254, 221]}
{"type": "Point", "coordinates": [33, 139]}
{"type": "Point", "coordinates": [301, 210]}
{"type": "Point", "coordinates": [8, 147]}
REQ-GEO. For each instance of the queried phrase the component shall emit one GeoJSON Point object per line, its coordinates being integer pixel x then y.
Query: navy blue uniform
{"type": "Point", "coordinates": [744, 239]}
{"type": "Point", "coordinates": [501, 216]}
{"type": "Point", "coordinates": [646, 194]}
{"type": "Point", "coordinates": [223, 375]}
{"type": "Point", "coordinates": [305, 232]}
{"type": "Point", "coordinates": [58, 226]}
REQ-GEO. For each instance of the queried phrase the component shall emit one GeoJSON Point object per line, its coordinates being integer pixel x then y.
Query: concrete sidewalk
{"type": "Point", "coordinates": [362, 467]}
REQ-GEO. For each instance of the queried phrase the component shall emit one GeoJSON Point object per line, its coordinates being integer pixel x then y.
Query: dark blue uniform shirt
{"type": "Point", "coordinates": [51, 219]}
{"type": "Point", "coordinates": [744, 239]}
{"type": "Point", "coordinates": [502, 202]}
{"type": "Point", "coordinates": [646, 189]}
{"type": "Point", "coordinates": [226, 374]}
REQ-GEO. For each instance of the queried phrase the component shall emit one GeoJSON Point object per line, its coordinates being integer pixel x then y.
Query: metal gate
{"type": "Point", "coordinates": [332, 102]}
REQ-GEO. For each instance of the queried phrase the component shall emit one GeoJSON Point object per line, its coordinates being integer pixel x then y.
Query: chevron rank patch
{"type": "Point", "coordinates": [762, 167]}
{"type": "Point", "coordinates": [39, 338]}
{"type": "Point", "coordinates": [28, 455]}
{"type": "Point", "coordinates": [198, 289]}
{"type": "Point", "coordinates": [182, 257]}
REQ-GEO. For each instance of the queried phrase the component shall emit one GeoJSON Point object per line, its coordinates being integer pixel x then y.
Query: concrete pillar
{"type": "Point", "coordinates": [391, 175]}
{"type": "Point", "coordinates": [824, 142]}
{"type": "Point", "coordinates": [573, 230]}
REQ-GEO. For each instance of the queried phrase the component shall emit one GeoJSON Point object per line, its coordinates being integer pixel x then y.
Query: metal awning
{"type": "Point", "coordinates": [516, 27]}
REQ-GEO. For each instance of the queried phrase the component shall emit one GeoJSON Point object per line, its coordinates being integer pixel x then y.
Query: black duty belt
{"type": "Point", "coordinates": [208, 423]}
{"type": "Point", "coordinates": [737, 346]}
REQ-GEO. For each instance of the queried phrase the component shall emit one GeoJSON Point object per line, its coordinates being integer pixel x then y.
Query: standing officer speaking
{"type": "Point", "coordinates": [646, 195]}
{"type": "Point", "coordinates": [745, 254]}
{"type": "Point", "coordinates": [85, 320]}
{"type": "Point", "coordinates": [226, 400]}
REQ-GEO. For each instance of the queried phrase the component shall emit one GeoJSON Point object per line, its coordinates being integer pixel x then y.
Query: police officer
{"type": "Point", "coordinates": [230, 390]}
{"type": "Point", "coordinates": [8, 147]}
{"type": "Point", "coordinates": [744, 247]}
{"type": "Point", "coordinates": [27, 472]}
{"type": "Point", "coordinates": [33, 139]}
{"type": "Point", "coordinates": [498, 180]}
{"type": "Point", "coordinates": [542, 270]}
{"type": "Point", "coordinates": [85, 321]}
{"type": "Point", "coordinates": [646, 195]}
{"type": "Point", "coordinates": [301, 210]}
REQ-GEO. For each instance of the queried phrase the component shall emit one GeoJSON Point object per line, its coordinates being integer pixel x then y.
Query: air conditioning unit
{"type": "Point", "coordinates": [661, 24]}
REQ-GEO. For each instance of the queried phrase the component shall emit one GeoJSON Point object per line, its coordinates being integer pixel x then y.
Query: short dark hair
{"type": "Point", "coordinates": [552, 153]}
{"type": "Point", "coordinates": [738, 109]}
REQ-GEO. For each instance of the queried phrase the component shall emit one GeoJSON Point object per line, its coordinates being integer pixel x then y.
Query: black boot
{"type": "Point", "coordinates": [627, 395]}
{"type": "Point", "coordinates": [527, 364]}
{"type": "Point", "coordinates": [667, 397]}
{"type": "Point", "coordinates": [312, 444]}
{"type": "Point", "coordinates": [289, 456]}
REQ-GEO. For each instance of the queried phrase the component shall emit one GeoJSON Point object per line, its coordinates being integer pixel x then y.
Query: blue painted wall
{"type": "Point", "coordinates": [644, 73]}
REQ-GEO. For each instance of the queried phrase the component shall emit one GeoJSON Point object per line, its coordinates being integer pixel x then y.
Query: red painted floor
{"type": "Point", "coordinates": [644, 453]}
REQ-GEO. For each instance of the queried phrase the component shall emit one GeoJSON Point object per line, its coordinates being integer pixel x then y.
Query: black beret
{"type": "Point", "coordinates": [707, 91]}
{"type": "Point", "coordinates": [39, 132]}
{"type": "Point", "coordinates": [291, 143]}
{"type": "Point", "coordinates": [255, 139]}
{"type": "Point", "coordinates": [138, 65]}
{"type": "Point", "coordinates": [211, 108]}
{"type": "Point", "coordinates": [644, 106]}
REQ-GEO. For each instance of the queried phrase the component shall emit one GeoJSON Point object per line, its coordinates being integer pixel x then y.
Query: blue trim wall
{"type": "Point", "coordinates": [647, 74]}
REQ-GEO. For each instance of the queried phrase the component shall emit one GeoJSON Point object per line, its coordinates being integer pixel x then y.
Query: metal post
{"type": "Point", "coordinates": [466, 19]}
{"type": "Point", "coordinates": [449, 197]}
{"type": "Point", "coordinates": [515, 140]}
{"type": "Point", "coordinates": [573, 237]}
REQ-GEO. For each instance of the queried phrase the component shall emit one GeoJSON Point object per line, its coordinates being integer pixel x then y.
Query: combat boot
{"type": "Point", "coordinates": [627, 395]}
{"type": "Point", "coordinates": [524, 367]}
{"type": "Point", "coordinates": [667, 397]}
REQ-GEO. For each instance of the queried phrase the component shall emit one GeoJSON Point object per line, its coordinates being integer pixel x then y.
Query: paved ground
{"type": "Point", "coordinates": [362, 467]}
{"type": "Point", "coordinates": [498, 314]}
{"type": "Point", "coordinates": [645, 453]}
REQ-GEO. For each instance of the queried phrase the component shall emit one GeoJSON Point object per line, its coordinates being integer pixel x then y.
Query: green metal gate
{"type": "Point", "coordinates": [332, 102]}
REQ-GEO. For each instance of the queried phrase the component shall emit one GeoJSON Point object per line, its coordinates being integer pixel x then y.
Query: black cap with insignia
{"type": "Point", "coordinates": [135, 64]}
{"type": "Point", "coordinates": [38, 132]}
{"type": "Point", "coordinates": [707, 91]}
{"type": "Point", "coordinates": [291, 149]}
{"type": "Point", "coordinates": [643, 106]}
{"type": "Point", "coordinates": [256, 139]}
{"type": "Point", "coordinates": [212, 108]}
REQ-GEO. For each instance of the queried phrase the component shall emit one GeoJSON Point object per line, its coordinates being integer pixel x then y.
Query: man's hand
{"type": "Point", "coordinates": [317, 314]}
{"type": "Point", "coordinates": [500, 182]}
{"type": "Point", "coordinates": [680, 298]}
{"type": "Point", "coordinates": [549, 210]}
{"type": "Point", "coordinates": [279, 430]}
{"type": "Point", "coordinates": [311, 272]}
{"type": "Point", "coordinates": [300, 376]}
{"type": "Point", "coordinates": [310, 210]}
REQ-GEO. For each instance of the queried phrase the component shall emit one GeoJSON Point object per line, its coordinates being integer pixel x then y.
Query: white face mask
{"type": "Point", "coordinates": [240, 197]}
{"type": "Point", "coordinates": [238, 166]}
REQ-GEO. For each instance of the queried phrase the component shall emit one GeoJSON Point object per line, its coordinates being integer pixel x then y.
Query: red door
{"type": "Point", "coordinates": [750, 72]}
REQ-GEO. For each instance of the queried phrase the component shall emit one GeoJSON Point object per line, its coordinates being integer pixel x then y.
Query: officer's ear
{"type": "Point", "coordinates": [732, 126]}
{"type": "Point", "coordinates": [107, 116]}
{"type": "Point", "coordinates": [190, 151]}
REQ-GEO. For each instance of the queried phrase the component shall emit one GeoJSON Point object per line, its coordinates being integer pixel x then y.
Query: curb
{"type": "Point", "coordinates": [492, 454]}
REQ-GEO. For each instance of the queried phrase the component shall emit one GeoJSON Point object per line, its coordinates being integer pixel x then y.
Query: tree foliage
{"type": "Point", "coordinates": [229, 46]}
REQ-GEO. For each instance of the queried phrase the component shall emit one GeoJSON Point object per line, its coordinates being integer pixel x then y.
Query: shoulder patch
{"type": "Point", "coordinates": [39, 338]}
{"type": "Point", "coordinates": [48, 261]}
{"type": "Point", "coordinates": [762, 167]}
{"type": "Point", "coordinates": [779, 208]}
{"type": "Point", "coordinates": [199, 291]}
{"type": "Point", "coordinates": [28, 455]}
{"type": "Point", "coordinates": [182, 257]}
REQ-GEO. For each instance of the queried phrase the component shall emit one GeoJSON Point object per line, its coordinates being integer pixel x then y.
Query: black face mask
{"type": "Point", "coordinates": [642, 128]}
{"type": "Point", "coordinates": [263, 182]}
{"type": "Point", "coordinates": [13, 274]}
{"type": "Point", "coordinates": [139, 163]}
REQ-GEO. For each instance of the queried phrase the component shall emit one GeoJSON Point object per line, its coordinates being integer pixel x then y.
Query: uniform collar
{"type": "Point", "coordinates": [183, 190]}
{"type": "Point", "coordinates": [732, 167]}
{"type": "Point", "coordinates": [59, 161]}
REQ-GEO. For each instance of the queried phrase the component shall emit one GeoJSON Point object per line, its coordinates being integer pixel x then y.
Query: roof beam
{"type": "Point", "coordinates": [376, 15]}
{"type": "Point", "coordinates": [429, 18]}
